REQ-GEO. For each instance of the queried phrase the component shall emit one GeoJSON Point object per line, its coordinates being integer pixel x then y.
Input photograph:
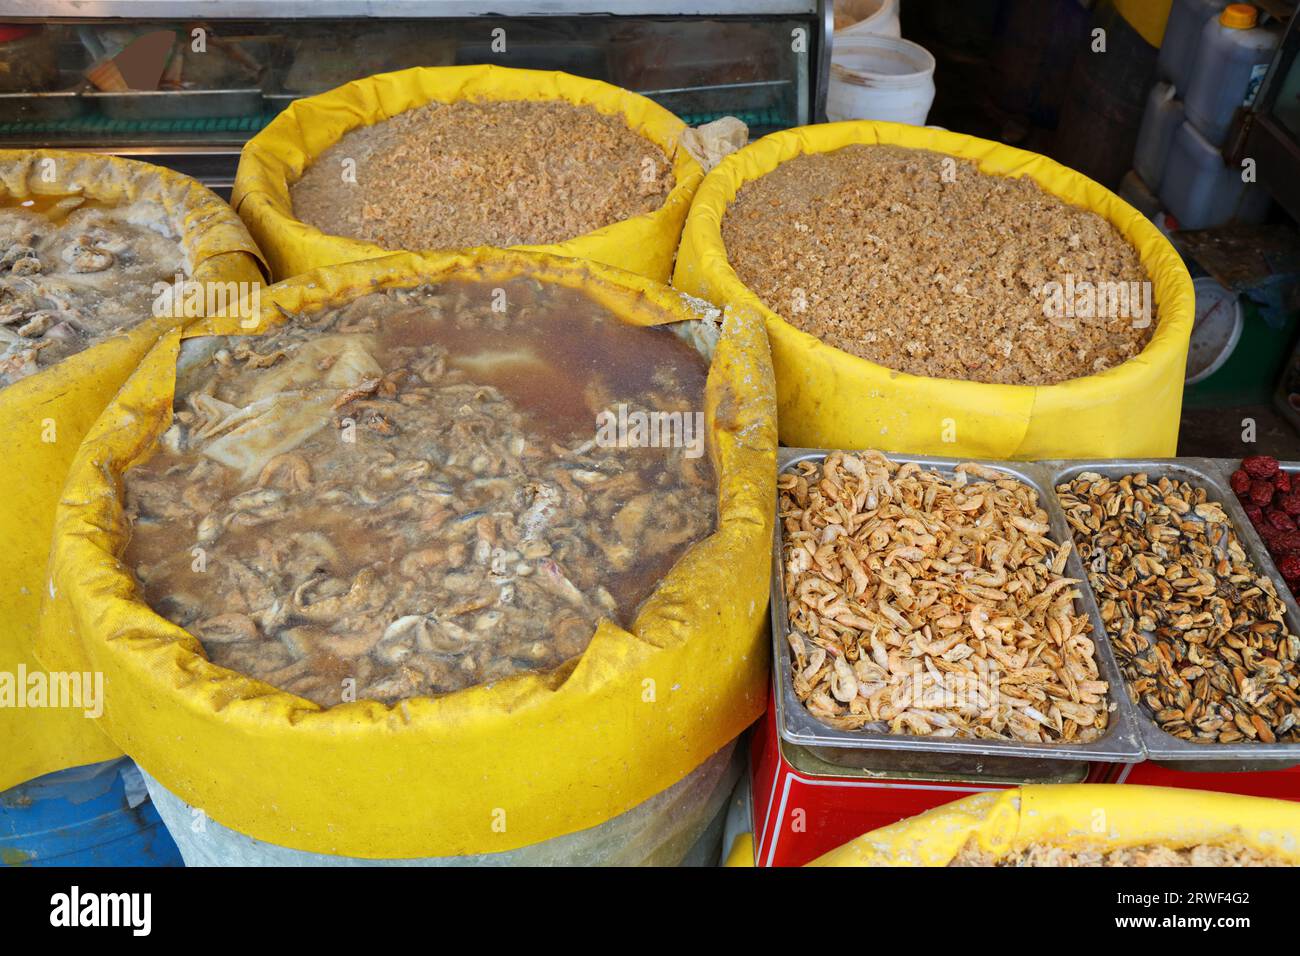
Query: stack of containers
{"type": "Point", "coordinates": [1213, 60]}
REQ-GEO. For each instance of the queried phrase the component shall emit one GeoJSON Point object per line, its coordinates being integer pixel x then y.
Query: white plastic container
{"type": "Point", "coordinates": [1201, 192]}
{"type": "Point", "coordinates": [1163, 116]}
{"type": "Point", "coordinates": [1187, 18]}
{"type": "Point", "coordinates": [1230, 64]}
{"type": "Point", "coordinates": [880, 78]}
{"type": "Point", "coordinates": [879, 17]}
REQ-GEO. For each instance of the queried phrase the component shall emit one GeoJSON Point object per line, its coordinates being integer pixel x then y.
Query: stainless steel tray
{"type": "Point", "coordinates": [177, 104]}
{"type": "Point", "coordinates": [805, 761]}
{"type": "Point", "coordinates": [44, 106]}
{"type": "Point", "coordinates": [1212, 475]}
{"type": "Point", "coordinates": [914, 753]}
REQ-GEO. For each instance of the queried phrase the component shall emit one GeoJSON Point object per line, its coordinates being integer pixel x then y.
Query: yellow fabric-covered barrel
{"type": "Point", "coordinates": [490, 768]}
{"type": "Point", "coordinates": [1076, 817]}
{"type": "Point", "coordinates": [275, 158]}
{"type": "Point", "coordinates": [46, 415]}
{"type": "Point", "coordinates": [828, 398]}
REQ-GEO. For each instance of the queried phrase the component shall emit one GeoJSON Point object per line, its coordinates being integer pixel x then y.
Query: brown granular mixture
{"type": "Point", "coordinates": [921, 263]}
{"type": "Point", "coordinates": [483, 173]}
{"type": "Point", "coordinates": [1202, 854]}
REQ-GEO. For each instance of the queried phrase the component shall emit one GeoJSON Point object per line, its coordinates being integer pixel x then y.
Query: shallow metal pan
{"type": "Point", "coordinates": [915, 753]}
{"type": "Point", "coordinates": [1212, 475]}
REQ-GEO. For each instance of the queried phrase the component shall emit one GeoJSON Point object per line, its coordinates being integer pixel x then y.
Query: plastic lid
{"type": "Point", "coordinates": [1239, 16]}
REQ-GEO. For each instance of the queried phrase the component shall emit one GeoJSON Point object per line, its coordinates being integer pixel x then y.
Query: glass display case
{"type": "Point", "coordinates": [1271, 130]}
{"type": "Point", "coordinates": [208, 75]}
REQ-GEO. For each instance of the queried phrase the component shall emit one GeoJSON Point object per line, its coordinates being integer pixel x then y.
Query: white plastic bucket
{"type": "Point", "coordinates": [880, 78]}
{"type": "Point", "coordinates": [867, 16]}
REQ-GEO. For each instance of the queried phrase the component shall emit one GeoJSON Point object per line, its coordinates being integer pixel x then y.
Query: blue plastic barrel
{"type": "Point", "coordinates": [97, 815]}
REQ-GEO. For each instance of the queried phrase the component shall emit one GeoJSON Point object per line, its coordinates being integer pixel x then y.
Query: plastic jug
{"type": "Point", "coordinates": [1187, 18]}
{"type": "Point", "coordinates": [1231, 60]}
{"type": "Point", "coordinates": [1201, 192]}
{"type": "Point", "coordinates": [1163, 116]}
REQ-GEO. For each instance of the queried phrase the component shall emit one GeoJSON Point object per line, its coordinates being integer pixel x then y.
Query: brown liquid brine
{"type": "Point", "coordinates": [403, 496]}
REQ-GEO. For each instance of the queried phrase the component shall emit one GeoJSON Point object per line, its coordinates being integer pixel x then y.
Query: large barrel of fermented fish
{"type": "Point", "coordinates": [411, 551]}
{"type": "Point", "coordinates": [1086, 825]}
{"type": "Point", "coordinates": [86, 241]}
{"type": "Point", "coordinates": [929, 292]}
{"type": "Point", "coordinates": [462, 156]}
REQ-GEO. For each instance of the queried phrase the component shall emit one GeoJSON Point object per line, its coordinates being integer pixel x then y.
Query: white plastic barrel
{"type": "Point", "coordinates": [867, 16]}
{"type": "Point", "coordinates": [880, 78]}
{"type": "Point", "coordinates": [680, 826]}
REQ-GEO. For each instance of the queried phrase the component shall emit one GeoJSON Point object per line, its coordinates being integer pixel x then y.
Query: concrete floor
{"type": "Point", "coordinates": [1217, 433]}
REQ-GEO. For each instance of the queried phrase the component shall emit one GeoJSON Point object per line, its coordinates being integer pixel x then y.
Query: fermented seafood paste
{"type": "Point", "coordinates": [405, 495]}
{"type": "Point", "coordinates": [73, 272]}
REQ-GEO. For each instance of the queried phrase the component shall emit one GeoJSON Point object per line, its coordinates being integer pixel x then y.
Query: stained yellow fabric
{"type": "Point", "coordinates": [45, 416]}
{"type": "Point", "coordinates": [481, 770]}
{"type": "Point", "coordinates": [827, 398]}
{"type": "Point", "coordinates": [1078, 815]}
{"type": "Point", "coordinates": [1147, 17]}
{"type": "Point", "coordinates": [741, 853]}
{"type": "Point", "coordinates": [276, 157]}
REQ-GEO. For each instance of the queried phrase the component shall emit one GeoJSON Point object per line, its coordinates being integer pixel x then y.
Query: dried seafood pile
{"type": "Point", "coordinates": [921, 263]}
{"type": "Point", "coordinates": [927, 604]}
{"type": "Point", "coordinates": [380, 498]}
{"type": "Point", "coordinates": [76, 273]}
{"type": "Point", "coordinates": [1199, 632]}
{"type": "Point", "coordinates": [1200, 854]}
{"type": "Point", "coordinates": [487, 173]}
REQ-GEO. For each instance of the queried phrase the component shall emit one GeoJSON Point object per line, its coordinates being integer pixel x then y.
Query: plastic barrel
{"type": "Point", "coordinates": [680, 826]}
{"type": "Point", "coordinates": [84, 816]}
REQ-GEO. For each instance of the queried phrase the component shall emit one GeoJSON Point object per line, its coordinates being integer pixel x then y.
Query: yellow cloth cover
{"type": "Point", "coordinates": [827, 398]}
{"type": "Point", "coordinates": [276, 157]}
{"type": "Point", "coordinates": [45, 416]}
{"type": "Point", "coordinates": [485, 769]}
{"type": "Point", "coordinates": [1078, 815]}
